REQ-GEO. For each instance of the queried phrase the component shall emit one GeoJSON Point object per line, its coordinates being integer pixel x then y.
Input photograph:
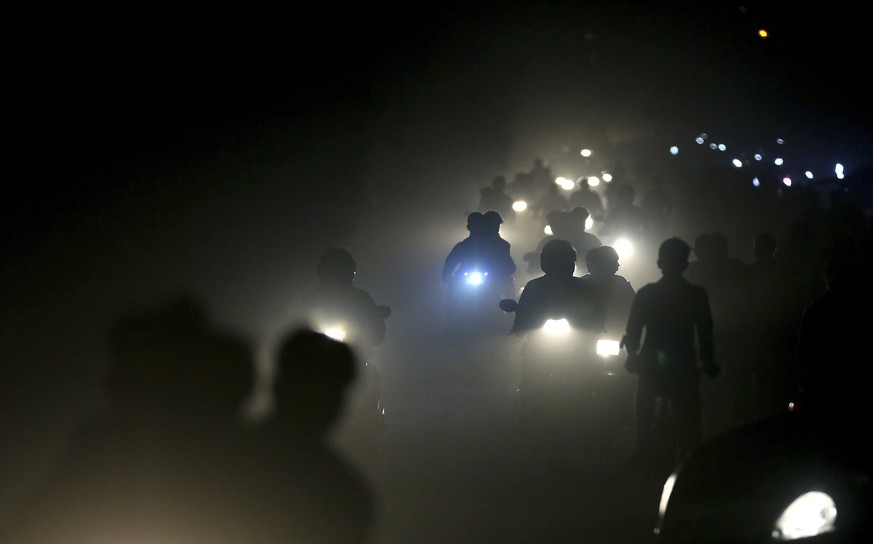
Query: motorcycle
{"type": "Point", "coordinates": [470, 309]}
{"type": "Point", "coordinates": [573, 395]}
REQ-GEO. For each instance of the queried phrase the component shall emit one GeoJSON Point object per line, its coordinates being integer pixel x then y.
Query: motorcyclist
{"type": "Point", "coordinates": [471, 306]}
{"type": "Point", "coordinates": [612, 296]}
{"type": "Point", "coordinates": [553, 400]}
{"type": "Point", "coordinates": [484, 249]}
{"type": "Point", "coordinates": [612, 293]}
{"type": "Point", "coordinates": [338, 302]}
{"type": "Point", "coordinates": [338, 299]}
{"type": "Point", "coordinates": [556, 292]}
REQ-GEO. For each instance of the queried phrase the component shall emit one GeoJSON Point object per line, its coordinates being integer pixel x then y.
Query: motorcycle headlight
{"type": "Point", "coordinates": [624, 247]}
{"type": "Point", "coordinates": [556, 326]}
{"type": "Point", "coordinates": [811, 514]}
{"type": "Point", "coordinates": [608, 348]}
{"type": "Point", "coordinates": [475, 278]}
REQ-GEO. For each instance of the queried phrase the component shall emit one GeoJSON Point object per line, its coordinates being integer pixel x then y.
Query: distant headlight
{"type": "Point", "coordinates": [810, 514]}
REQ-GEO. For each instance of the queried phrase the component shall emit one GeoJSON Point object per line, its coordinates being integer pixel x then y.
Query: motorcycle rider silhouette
{"type": "Point", "coordinates": [345, 312]}
{"type": "Point", "coordinates": [479, 272]}
{"type": "Point", "coordinates": [558, 399]}
{"type": "Point", "coordinates": [613, 297]}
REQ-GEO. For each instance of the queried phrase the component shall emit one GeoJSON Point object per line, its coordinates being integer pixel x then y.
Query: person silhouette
{"type": "Point", "coordinates": [498, 256]}
{"type": "Point", "coordinates": [722, 276]}
{"type": "Point", "coordinates": [338, 300]}
{"type": "Point", "coordinates": [550, 434]}
{"type": "Point", "coordinates": [822, 380]}
{"type": "Point", "coordinates": [568, 226]}
{"type": "Point", "coordinates": [623, 216]}
{"type": "Point", "coordinates": [557, 292]}
{"type": "Point", "coordinates": [676, 318]}
{"type": "Point", "coordinates": [163, 462]}
{"type": "Point", "coordinates": [305, 490]}
{"type": "Point", "coordinates": [612, 296]}
{"type": "Point", "coordinates": [554, 221]}
{"type": "Point", "coordinates": [573, 228]}
{"type": "Point", "coordinates": [479, 273]}
{"type": "Point", "coordinates": [494, 197]}
{"type": "Point", "coordinates": [767, 351]}
{"type": "Point", "coordinates": [341, 309]}
{"type": "Point", "coordinates": [585, 197]}
{"type": "Point", "coordinates": [551, 200]}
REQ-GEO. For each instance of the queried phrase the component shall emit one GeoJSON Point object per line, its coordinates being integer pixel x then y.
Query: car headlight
{"type": "Point", "coordinates": [810, 514]}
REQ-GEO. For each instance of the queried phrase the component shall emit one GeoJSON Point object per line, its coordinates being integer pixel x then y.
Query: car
{"type": "Point", "coordinates": [794, 476]}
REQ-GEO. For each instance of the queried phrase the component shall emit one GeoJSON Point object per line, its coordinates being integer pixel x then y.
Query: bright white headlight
{"type": "Point", "coordinates": [606, 348]}
{"type": "Point", "coordinates": [810, 514]}
{"type": "Point", "coordinates": [475, 278]}
{"type": "Point", "coordinates": [556, 326]}
{"type": "Point", "coordinates": [337, 332]}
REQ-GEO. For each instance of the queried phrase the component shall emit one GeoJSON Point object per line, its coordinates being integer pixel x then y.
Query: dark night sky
{"type": "Point", "coordinates": [162, 148]}
{"type": "Point", "coordinates": [159, 137]}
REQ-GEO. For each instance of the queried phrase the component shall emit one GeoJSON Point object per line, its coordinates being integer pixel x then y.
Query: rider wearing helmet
{"type": "Point", "coordinates": [612, 293]}
{"type": "Point", "coordinates": [557, 293]}
{"type": "Point", "coordinates": [337, 298]}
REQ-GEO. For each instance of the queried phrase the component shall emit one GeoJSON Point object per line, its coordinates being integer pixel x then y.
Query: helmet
{"type": "Point", "coordinates": [602, 260]}
{"type": "Point", "coordinates": [558, 257]}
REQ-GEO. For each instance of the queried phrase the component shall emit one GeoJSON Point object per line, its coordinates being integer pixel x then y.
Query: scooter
{"type": "Point", "coordinates": [470, 305]}
{"type": "Point", "coordinates": [574, 394]}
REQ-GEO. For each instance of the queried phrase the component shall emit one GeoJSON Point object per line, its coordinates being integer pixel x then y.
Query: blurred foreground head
{"type": "Point", "coordinates": [336, 265]}
{"type": "Point", "coordinates": [168, 357]}
{"type": "Point", "coordinates": [314, 373]}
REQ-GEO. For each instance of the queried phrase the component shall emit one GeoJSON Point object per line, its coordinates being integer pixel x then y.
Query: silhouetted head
{"type": "Point", "coordinates": [839, 262]}
{"type": "Point", "coordinates": [558, 257]}
{"type": "Point", "coordinates": [673, 256]}
{"type": "Point", "coordinates": [336, 265]}
{"type": "Point", "coordinates": [765, 246]}
{"type": "Point", "coordinates": [602, 261]}
{"type": "Point", "coordinates": [580, 215]}
{"type": "Point", "coordinates": [314, 374]}
{"type": "Point", "coordinates": [475, 222]}
{"type": "Point", "coordinates": [704, 247]}
{"type": "Point", "coordinates": [492, 221]}
{"type": "Point", "coordinates": [168, 358]}
{"type": "Point", "coordinates": [719, 243]}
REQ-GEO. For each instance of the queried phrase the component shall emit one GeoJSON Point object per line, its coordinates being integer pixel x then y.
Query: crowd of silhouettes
{"type": "Point", "coordinates": [171, 458]}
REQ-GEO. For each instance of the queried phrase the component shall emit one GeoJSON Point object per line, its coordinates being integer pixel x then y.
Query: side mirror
{"type": "Point", "coordinates": [508, 304]}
